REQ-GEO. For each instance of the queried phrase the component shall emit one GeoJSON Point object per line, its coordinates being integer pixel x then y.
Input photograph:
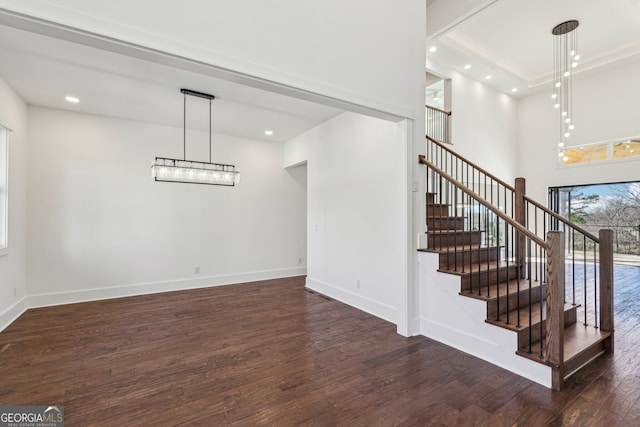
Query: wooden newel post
{"type": "Point", "coordinates": [606, 285]}
{"type": "Point", "coordinates": [554, 343]}
{"type": "Point", "coordinates": [520, 215]}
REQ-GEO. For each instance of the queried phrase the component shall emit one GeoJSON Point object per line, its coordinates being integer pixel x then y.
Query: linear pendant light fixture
{"type": "Point", "coordinates": [191, 171]}
{"type": "Point", "coordinates": [565, 60]}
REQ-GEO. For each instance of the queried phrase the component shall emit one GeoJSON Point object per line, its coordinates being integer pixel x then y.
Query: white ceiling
{"type": "Point", "coordinates": [43, 70]}
{"type": "Point", "coordinates": [512, 41]}
{"type": "Point", "coordinates": [509, 39]}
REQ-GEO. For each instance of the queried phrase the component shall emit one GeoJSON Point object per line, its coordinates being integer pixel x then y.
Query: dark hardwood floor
{"type": "Point", "coordinates": [271, 353]}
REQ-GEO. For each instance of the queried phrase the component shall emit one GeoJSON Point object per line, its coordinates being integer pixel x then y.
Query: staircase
{"type": "Point", "coordinates": [541, 277]}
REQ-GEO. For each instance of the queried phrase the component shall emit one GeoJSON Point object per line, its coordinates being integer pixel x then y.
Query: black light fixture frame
{"type": "Point", "coordinates": [194, 164]}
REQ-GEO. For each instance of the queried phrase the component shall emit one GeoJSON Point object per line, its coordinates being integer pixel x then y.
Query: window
{"type": "Point", "coordinates": [4, 190]}
{"type": "Point", "coordinates": [599, 152]}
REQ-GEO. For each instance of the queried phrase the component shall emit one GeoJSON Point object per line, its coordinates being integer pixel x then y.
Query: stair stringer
{"type": "Point", "coordinates": [459, 321]}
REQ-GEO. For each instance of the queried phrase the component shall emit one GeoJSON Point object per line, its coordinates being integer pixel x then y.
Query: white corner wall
{"type": "Point", "coordinates": [100, 227]}
{"type": "Point", "coordinates": [13, 115]}
{"type": "Point", "coordinates": [605, 108]}
{"type": "Point", "coordinates": [356, 219]}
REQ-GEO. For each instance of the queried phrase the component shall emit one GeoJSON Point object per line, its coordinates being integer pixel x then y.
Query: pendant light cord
{"type": "Point", "coordinates": [184, 120]}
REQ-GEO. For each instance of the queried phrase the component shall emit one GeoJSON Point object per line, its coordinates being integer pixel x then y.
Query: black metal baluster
{"type": "Point", "coordinates": [573, 266]}
{"type": "Point", "coordinates": [540, 326]}
{"type": "Point", "coordinates": [518, 273]}
{"type": "Point", "coordinates": [595, 287]}
{"type": "Point", "coordinates": [455, 234]}
{"type": "Point", "coordinates": [438, 211]}
{"type": "Point", "coordinates": [584, 254]}
{"type": "Point", "coordinates": [530, 294]}
{"type": "Point", "coordinates": [538, 248]}
{"type": "Point", "coordinates": [506, 256]}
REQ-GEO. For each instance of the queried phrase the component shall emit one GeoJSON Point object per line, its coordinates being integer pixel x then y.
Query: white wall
{"type": "Point", "coordinates": [356, 219]}
{"type": "Point", "coordinates": [100, 227]}
{"type": "Point", "coordinates": [13, 114]}
{"type": "Point", "coordinates": [605, 108]}
{"type": "Point", "coordinates": [484, 124]}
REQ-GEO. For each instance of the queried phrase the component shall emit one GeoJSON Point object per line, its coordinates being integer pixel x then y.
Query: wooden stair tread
{"type": "Point", "coordinates": [577, 337]}
{"type": "Point", "coordinates": [523, 316]}
{"type": "Point", "coordinates": [581, 345]}
{"type": "Point", "coordinates": [503, 289]}
{"type": "Point", "coordinates": [459, 249]}
{"type": "Point", "coordinates": [475, 268]}
{"type": "Point", "coordinates": [445, 231]}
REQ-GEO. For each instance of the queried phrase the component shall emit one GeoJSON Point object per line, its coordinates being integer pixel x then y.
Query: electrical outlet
{"type": "Point", "coordinates": [358, 283]}
{"type": "Point", "coordinates": [196, 269]}
{"type": "Point", "coordinates": [15, 291]}
{"type": "Point", "coordinates": [299, 260]}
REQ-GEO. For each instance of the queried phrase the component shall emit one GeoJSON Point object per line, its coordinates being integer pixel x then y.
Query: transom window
{"type": "Point", "coordinates": [620, 149]}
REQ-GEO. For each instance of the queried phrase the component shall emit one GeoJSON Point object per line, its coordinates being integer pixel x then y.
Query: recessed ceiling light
{"type": "Point", "coordinates": [515, 89]}
{"type": "Point", "coordinates": [489, 77]}
{"type": "Point", "coordinates": [433, 49]}
{"type": "Point", "coordinates": [466, 67]}
{"type": "Point", "coordinates": [72, 99]}
{"type": "Point", "coordinates": [268, 132]}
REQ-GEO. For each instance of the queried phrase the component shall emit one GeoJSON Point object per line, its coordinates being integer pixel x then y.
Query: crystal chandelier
{"type": "Point", "coordinates": [191, 171]}
{"type": "Point", "coordinates": [565, 60]}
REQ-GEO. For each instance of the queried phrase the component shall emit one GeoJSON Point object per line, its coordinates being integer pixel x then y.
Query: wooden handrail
{"type": "Point", "coordinates": [448, 113]}
{"type": "Point", "coordinates": [422, 159]}
{"type": "Point", "coordinates": [561, 219]}
{"type": "Point", "coordinates": [528, 199]}
{"type": "Point", "coordinates": [493, 177]}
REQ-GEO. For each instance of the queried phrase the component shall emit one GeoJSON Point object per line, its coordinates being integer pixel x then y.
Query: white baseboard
{"type": "Point", "coordinates": [12, 313]}
{"type": "Point", "coordinates": [360, 302]}
{"type": "Point", "coordinates": [84, 295]}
